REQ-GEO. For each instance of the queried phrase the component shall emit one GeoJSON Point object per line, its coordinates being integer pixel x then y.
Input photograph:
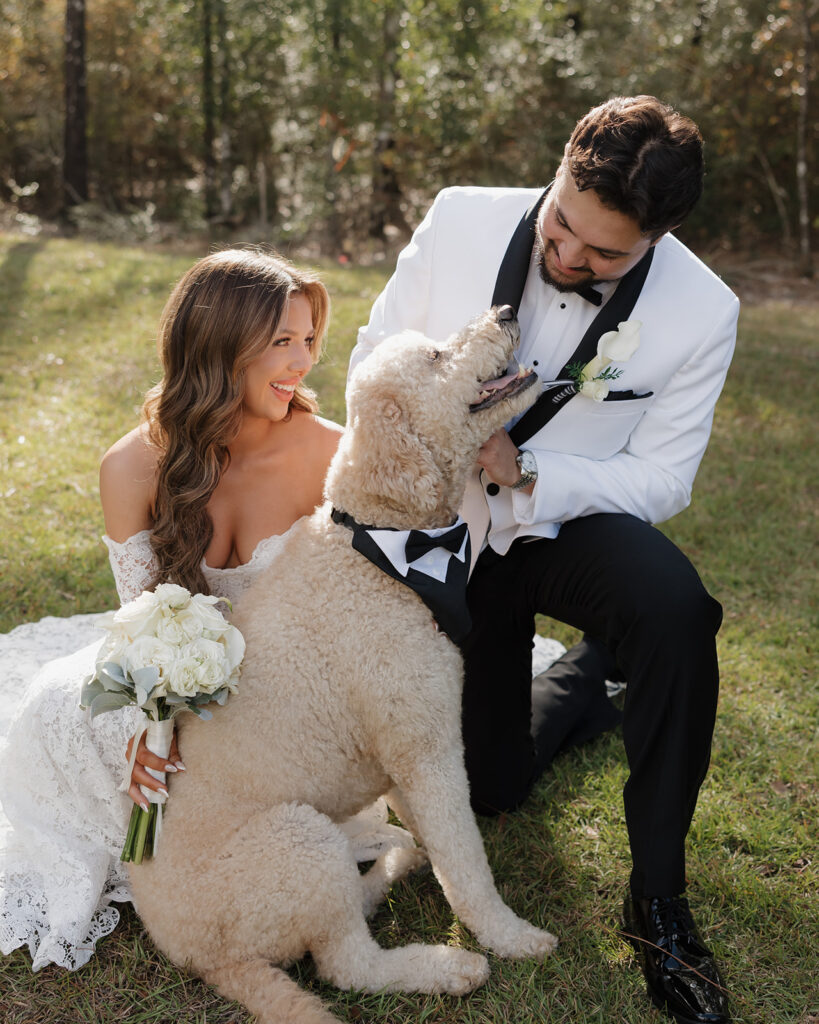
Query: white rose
{"type": "Point", "coordinates": [113, 648]}
{"type": "Point", "coordinates": [172, 596]}
{"type": "Point", "coordinates": [210, 618]}
{"type": "Point", "coordinates": [181, 627]}
{"type": "Point", "coordinates": [183, 677]}
{"type": "Point", "coordinates": [214, 667]}
{"type": "Point", "coordinates": [211, 676]}
{"type": "Point", "coordinates": [595, 389]}
{"type": "Point", "coordinates": [147, 652]}
{"type": "Point", "coordinates": [136, 618]}
{"type": "Point", "coordinates": [106, 620]}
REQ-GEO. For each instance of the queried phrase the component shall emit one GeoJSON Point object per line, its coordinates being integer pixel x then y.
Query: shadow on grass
{"type": "Point", "coordinates": [14, 272]}
{"type": "Point", "coordinates": [121, 286]}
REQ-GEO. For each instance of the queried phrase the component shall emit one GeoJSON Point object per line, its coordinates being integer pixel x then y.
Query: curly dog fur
{"type": "Point", "coordinates": [347, 692]}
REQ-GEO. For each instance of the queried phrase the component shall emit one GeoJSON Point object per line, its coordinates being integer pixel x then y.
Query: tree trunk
{"type": "Point", "coordinates": [777, 192]}
{"type": "Point", "coordinates": [385, 207]}
{"type": "Point", "coordinates": [778, 195]}
{"type": "Point", "coordinates": [225, 149]}
{"type": "Point", "coordinates": [75, 156]}
{"type": "Point", "coordinates": [208, 109]}
{"type": "Point", "coordinates": [334, 230]}
{"type": "Point", "coordinates": [261, 181]}
{"type": "Point", "coordinates": [802, 182]}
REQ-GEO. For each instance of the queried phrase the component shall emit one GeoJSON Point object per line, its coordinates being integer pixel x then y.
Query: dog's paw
{"type": "Point", "coordinates": [401, 862]}
{"type": "Point", "coordinates": [390, 868]}
{"type": "Point", "coordinates": [524, 941]}
{"type": "Point", "coordinates": [462, 971]}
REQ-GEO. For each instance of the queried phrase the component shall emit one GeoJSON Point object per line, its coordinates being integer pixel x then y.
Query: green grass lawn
{"type": "Point", "coordinates": [77, 352]}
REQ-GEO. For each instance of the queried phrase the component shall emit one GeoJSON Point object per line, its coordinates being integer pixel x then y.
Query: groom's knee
{"type": "Point", "coordinates": [491, 794]}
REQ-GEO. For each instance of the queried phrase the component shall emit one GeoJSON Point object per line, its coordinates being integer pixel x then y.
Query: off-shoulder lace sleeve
{"type": "Point", "coordinates": [132, 563]}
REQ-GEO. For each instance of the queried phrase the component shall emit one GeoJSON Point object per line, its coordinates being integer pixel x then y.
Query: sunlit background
{"type": "Point", "coordinates": [334, 122]}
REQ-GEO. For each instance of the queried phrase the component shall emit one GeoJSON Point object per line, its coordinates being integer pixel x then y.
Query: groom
{"type": "Point", "coordinates": [561, 504]}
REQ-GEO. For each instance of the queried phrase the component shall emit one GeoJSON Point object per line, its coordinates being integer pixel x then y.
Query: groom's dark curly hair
{"type": "Point", "coordinates": [641, 157]}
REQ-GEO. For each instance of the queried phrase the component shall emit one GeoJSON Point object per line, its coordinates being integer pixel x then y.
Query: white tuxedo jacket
{"type": "Point", "coordinates": [639, 455]}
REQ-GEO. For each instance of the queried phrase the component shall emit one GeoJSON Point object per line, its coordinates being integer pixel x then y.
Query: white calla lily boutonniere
{"type": "Point", "coordinates": [594, 379]}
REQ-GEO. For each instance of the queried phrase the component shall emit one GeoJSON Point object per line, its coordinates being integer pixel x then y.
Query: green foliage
{"type": "Point", "coordinates": [76, 354]}
{"type": "Point", "coordinates": [313, 101]}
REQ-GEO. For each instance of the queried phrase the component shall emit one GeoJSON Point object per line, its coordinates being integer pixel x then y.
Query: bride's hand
{"type": "Point", "coordinates": [145, 759]}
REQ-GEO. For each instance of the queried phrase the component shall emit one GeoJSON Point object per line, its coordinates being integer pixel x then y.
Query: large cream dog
{"type": "Point", "coordinates": [347, 692]}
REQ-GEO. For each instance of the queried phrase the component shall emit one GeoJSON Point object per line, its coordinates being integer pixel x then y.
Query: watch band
{"type": "Point", "coordinates": [527, 464]}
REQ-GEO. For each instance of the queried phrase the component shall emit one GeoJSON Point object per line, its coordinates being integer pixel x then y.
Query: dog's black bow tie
{"type": "Point", "coordinates": [420, 542]}
{"type": "Point", "coordinates": [433, 563]}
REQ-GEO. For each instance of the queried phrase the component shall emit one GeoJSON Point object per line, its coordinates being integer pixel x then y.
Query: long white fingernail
{"type": "Point", "coordinates": [144, 807]}
{"type": "Point", "coordinates": [170, 767]}
{"type": "Point", "coordinates": [163, 791]}
{"type": "Point", "coordinates": [180, 766]}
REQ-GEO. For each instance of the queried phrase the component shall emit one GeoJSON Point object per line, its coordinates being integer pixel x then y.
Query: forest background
{"type": "Point", "coordinates": [150, 130]}
{"type": "Point", "coordinates": [327, 126]}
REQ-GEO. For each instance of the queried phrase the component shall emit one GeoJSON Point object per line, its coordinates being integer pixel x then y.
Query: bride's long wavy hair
{"type": "Point", "coordinates": [219, 317]}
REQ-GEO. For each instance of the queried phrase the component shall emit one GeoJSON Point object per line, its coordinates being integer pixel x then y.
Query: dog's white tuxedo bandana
{"type": "Point", "coordinates": [433, 563]}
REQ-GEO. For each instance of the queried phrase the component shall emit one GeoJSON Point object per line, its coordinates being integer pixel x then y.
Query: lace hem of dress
{"type": "Point", "coordinates": [26, 922]}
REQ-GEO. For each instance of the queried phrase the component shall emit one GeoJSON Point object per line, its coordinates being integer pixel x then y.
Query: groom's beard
{"type": "Point", "coordinates": [560, 285]}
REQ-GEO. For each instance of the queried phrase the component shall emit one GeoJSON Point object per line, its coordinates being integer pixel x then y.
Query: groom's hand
{"type": "Point", "coordinates": [497, 457]}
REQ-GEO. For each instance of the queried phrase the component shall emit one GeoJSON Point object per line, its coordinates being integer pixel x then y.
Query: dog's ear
{"type": "Point", "coordinates": [387, 466]}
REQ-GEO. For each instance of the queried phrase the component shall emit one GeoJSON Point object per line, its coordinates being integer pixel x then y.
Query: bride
{"type": "Point", "coordinates": [229, 454]}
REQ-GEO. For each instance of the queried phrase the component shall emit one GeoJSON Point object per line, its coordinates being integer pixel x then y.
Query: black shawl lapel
{"type": "Point", "coordinates": [511, 281]}
{"type": "Point", "coordinates": [617, 309]}
{"type": "Point", "coordinates": [514, 267]}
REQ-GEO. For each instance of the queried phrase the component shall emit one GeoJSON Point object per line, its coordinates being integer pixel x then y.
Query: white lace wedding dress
{"type": "Point", "coordinates": [62, 814]}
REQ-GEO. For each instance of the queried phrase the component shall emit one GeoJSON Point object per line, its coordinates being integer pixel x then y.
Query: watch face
{"type": "Point", "coordinates": [527, 463]}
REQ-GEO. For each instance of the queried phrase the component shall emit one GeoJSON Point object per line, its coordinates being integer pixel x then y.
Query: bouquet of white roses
{"type": "Point", "coordinates": [167, 652]}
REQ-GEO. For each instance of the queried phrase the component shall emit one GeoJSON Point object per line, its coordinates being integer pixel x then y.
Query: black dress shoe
{"type": "Point", "coordinates": [681, 975]}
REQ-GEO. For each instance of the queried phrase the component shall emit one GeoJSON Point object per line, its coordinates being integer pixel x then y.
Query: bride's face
{"type": "Point", "coordinates": [271, 378]}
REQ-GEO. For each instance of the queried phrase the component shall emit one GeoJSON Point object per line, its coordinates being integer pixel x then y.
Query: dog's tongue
{"type": "Point", "coordinates": [500, 382]}
{"type": "Point", "coordinates": [488, 386]}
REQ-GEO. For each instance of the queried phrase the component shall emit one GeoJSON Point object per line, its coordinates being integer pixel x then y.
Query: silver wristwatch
{"type": "Point", "coordinates": [527, 464]}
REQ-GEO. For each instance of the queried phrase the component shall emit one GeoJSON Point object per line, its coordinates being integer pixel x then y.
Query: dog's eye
{"type": "Point", "coordinates": [433, 354]}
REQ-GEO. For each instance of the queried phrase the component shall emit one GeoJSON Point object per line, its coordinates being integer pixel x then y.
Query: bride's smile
{"type": "Point", "coordinates": [283, 364]}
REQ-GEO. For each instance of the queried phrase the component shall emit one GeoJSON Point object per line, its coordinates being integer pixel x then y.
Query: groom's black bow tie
{"type": "Point", "coordinates": [433, 563]}
{"type": "Point", "coordinates": [590, 294]}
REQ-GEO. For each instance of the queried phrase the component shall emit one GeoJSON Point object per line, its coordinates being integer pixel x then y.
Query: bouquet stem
{"type": "Point", "coordinates": [139, 841]}
{"type": "Point", "coordinates": [133, 824]}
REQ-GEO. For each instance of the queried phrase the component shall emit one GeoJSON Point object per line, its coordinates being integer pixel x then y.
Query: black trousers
{"type": "Point", "coordinates": [646, 615]}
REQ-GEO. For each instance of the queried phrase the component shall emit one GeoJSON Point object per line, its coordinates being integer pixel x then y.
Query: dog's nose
{"type": "Point", "coordinates": [506, 313]}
